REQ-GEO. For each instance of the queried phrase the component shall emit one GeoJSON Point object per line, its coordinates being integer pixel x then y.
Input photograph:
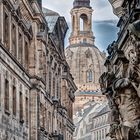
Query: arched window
{"type": "Point", "coordinates": [73, 24]}
{"type": "Point", "coordinates": [83, 22]}
{"type": "Point", "coordinates": [89, 76]}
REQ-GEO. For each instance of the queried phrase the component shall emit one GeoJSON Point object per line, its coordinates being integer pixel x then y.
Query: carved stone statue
{"type": "Point", "coordinates": [123, 95]}
{"type": "Point", "coordinates": [126, 95]}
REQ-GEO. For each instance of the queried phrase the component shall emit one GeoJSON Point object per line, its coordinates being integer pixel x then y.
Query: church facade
{"type": "Point", "coordinates": [84, 58]}
{"type": "Point", "coordinates": [121, 81]}
{"type": "Point", "coordinates": [36, 87]}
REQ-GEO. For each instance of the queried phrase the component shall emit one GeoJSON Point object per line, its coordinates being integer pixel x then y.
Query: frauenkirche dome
{"type": "Point", "coordinates": [86, 61]}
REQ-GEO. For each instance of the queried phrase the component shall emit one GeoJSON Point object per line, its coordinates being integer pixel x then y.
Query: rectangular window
{"type": "Point", "coordinates": [14, 100]}
{"type": "Point", "coordinates": [21, 106]}
{"type": "Point", "coordinates": [50, 80]}
{"type": "Point", "coordinates": [49, 121]}
{"type": "Point", "coordinates": [14, 45]}
{"type": "Point", "coordinates": [6, 94]}
{"type": "Point", "coordinates": [20, 48]}
{"type": "Point", "coordinates": [53, 86]}
{"type": "Point", "coordinates": [26, 55]}
{"type": "Point", "coordinates": [58, 90]}
{"type": "Point", "coordinates": [42, 115]}
{"type": "Point", "coordinates": [6, 30]}
{"type": "Point", "coordinates": [27, 110]}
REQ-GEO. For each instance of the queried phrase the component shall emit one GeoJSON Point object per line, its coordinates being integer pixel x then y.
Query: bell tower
{"type": "Point", "coordinates": [81, 15]}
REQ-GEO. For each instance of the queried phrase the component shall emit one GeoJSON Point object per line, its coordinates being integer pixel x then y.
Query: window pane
{"type": "Point", "coordinates": [6, 94]}
{"type": "Point", "coordinates": [14, 100]}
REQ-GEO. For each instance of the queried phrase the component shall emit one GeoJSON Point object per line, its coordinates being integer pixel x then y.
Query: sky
{"type": "Point", "coordinates": [104, 21]}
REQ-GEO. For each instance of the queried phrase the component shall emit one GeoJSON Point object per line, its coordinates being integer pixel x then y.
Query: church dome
{"type": "Point", "coordinates": [87, 64]}
{"type": "Point", "coordinates": [84, 58]}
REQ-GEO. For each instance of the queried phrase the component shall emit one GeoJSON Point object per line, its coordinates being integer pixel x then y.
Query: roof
{"type": "Point", "coordinates": [91, 112]}
{"type": "Point", "coordinates": [51, 18]}
{"type": "Point", "coordinates": [89, 92]}
{"type": "Point", "coordinates": [81, 3]}
{"type": "Point", "coordinates": [104, 110]}
{"type": "Point", "coordinates": [81, 60]}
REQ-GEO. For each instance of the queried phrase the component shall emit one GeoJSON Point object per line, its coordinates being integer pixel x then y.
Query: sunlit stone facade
{"type": "Point", "coordinates": [36, 87]}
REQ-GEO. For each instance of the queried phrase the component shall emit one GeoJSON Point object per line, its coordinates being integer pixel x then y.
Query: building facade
{"type": "Point", "coordinates": [120, 83]}
{"type": "Point", "coordinates": [83, 122]}
{"type": "Point", "coordinates": [84, 58]}
{"type": "Point", "coordinates": [36, 87]}
{"type": "Point", "coordinates": [101, 124]}
{"type": "Point", "coordinates": [92, 123]}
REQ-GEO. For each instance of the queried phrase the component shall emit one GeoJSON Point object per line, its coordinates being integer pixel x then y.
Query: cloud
{"type": "Point", "coordinates": [101, 3]}
{"type": "Point", "coordinates": [102, 8]}
{"type": "Point", "coordinates": [105, 33]}
{"type": "Point", "coordinates": [104, 27]}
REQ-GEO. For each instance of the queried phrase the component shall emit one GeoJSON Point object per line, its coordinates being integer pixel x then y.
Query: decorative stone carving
{"type": "Point", "coordinates": [121, 82]}
{"type": "Point", "coordinates": [123, 94]}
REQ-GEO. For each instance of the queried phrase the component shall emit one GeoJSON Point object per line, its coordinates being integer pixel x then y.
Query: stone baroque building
{"type": "Point", "coordinates": [92, 123]}
{"type": "Point", "coordinates": [83, 122]}
{"type": "Point", "coordinates": [101, 124]}
{"type": "Point", "coordinates": [121, 81]}
{"type": "Point", "coordinates": [36, 87]}
{"type": "Point", "coordinates": [84, 58]}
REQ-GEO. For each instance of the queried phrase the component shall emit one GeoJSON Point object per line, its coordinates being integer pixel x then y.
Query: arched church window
{"type": "Point", "coordinates": [73, 23]}
{"type": "Point", "coordinates": [89, 76]}
{"type": "Point", "coordinates": [83, 22]}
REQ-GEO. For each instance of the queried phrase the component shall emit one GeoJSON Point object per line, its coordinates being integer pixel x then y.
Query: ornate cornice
{"type": "Point", "coordinates": [117, 7]}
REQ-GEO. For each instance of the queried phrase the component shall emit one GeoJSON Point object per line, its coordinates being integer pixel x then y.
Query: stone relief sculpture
{"type": "Point", "coordinates": [123, 94]}
{"type": "Point", "coordinates": [123, 87]}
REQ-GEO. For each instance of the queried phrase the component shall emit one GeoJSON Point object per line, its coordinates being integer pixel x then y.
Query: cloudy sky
{"type": "Point", "coordinates": [104, 21]}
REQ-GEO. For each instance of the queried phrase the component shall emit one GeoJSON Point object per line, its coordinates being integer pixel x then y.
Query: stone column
{"type": "Point", "coordinates": [55, 119]}
{"type": "Point", "coordinates": [34, 114]}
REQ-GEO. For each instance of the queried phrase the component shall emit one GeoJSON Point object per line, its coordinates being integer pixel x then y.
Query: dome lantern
{"type": "Point", "coordinates": [81, 3]}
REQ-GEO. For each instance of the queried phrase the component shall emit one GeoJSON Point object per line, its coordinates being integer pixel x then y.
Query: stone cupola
{"type": "Point", "coordinates": [81, 3]}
